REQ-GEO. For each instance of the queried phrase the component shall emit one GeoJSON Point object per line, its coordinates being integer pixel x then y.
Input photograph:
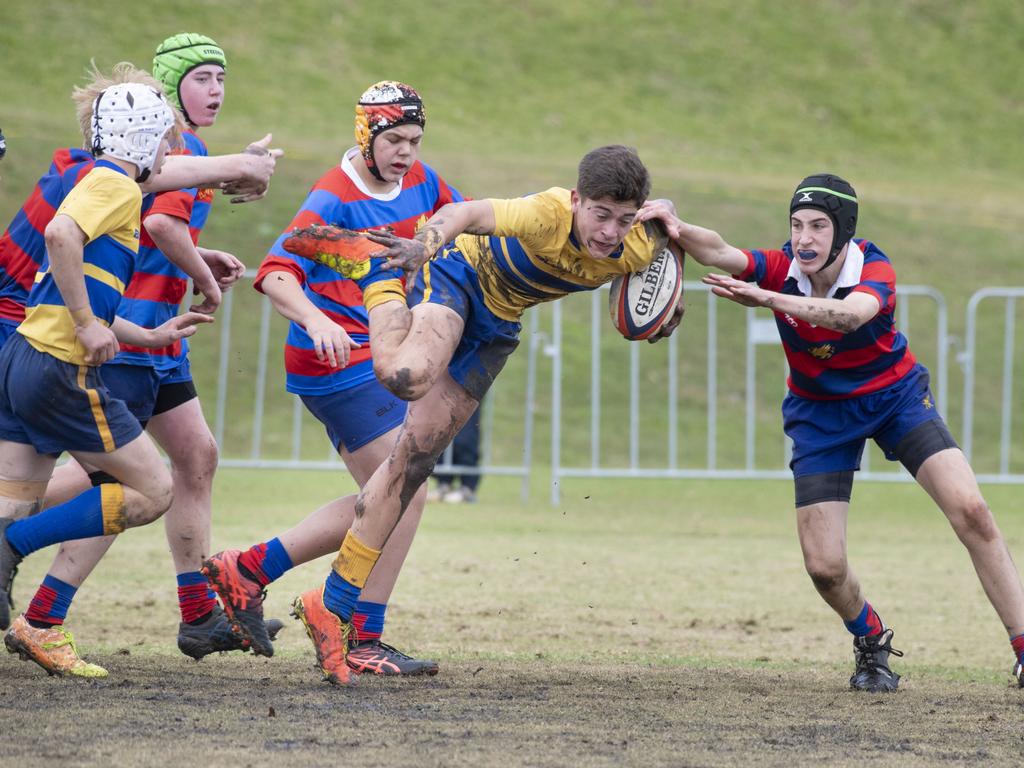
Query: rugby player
{"type": "Point", "coordinates": [489, 261]}
{"type": "Point", "coordinates": [52, 397]}
{"type": "Point", "coordinates": [852, 378]}
{"type": "Point", "coordinates": [378, 183]}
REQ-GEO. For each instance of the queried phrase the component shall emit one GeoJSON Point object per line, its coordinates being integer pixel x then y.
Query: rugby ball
{"type": "Point", "coordinates": [642, 302]}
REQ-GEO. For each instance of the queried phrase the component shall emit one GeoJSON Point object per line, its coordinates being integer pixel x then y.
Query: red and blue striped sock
{"type": "Point", "coordinates": [1018, 647]}
{"type": "Point", "coordinates": [867, 624]}
{"type": "Point", "coordinates": [195, 598]}
{"type": "Point", "coordinates": [79, 518]}
{"type": "Point", "coordinates": [51, 603]}
{"type": "Point", "coordinates": [266, 562]}
{"type": "Point", "coordinates": [340, 596]}
{"type": "Point", "coordinates": [368, 619]}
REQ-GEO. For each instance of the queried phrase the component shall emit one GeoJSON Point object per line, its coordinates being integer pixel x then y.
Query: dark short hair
{"type": "Point", "coordinates": [614, 171]}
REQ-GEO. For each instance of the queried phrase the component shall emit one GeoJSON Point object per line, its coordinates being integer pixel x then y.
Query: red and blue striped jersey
{"type": "Point", "coordinates": [22, 245]}
{"type": "Point", "coordinates": [826, 364]}
{"type": "Point", "coordinates": [340, 198]}
{"type": "Point", "coordinates": [157, 288]}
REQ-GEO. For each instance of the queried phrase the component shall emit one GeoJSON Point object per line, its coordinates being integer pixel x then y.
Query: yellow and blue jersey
{"type": "Point", "coordinates": [533, 256]}
{"type": "Point", "coordinates": [106, 205]}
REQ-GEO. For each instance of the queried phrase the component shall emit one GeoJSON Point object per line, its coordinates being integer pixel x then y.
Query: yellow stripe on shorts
{"type": "Point", "coordinates": [428, 288]}
{"type": "Point", "coordinates": [97, 411]}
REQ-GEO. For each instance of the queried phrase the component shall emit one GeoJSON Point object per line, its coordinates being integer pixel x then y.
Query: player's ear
{"type": "Point", "coordinates": [574, 200]}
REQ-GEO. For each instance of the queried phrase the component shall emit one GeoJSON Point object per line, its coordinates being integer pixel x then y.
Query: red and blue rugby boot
{"type": "Point", "coordinates": [242, 598]}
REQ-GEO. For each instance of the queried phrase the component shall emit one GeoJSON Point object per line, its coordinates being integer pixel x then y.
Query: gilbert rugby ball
{"type": "Point", "coordinates": [642, 302]}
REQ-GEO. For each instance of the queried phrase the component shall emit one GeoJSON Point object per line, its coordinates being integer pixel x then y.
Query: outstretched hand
{"type": "Point", "coordinates": [179, 327]}
{"type": "Point", "coordinates": [728, 287]}
{"type": "Point", "coordinates": [402, 253]}
{"type": "Point", "coordinates": [255, 181]}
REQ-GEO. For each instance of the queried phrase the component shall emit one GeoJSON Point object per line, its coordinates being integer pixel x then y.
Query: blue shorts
{"type": "Point", "coordinates": [56, 406]}
{"type": "Point", "coordinates": [829, 435]}
{"type": "Point", "coordinates": [356, 416]}
{"type": "Point", "coordinates": [6, 331]}
{"type": "Point", "coordinates": [146, 391]}
{"type": "Point", "coordinates": [178, 374]}
{"type": "Point", "coordinates": [487, 340]}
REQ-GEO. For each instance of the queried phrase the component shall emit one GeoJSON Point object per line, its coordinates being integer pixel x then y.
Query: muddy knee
{"type": "Point", "coordinates": [827, 576]}
{"type": "Point", "coordinates": [403, 381]}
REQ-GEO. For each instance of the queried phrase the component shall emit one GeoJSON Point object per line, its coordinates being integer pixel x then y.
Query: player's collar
{"type": "Point", "coordinates": [352, 173]}
{"type": "Point", "coordinates": [849, 275]}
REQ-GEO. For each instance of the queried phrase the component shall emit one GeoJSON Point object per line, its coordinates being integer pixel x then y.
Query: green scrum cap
{"type": "Point", "coordinates": [180, 54]}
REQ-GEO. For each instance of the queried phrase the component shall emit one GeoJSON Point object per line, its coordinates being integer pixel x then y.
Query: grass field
{"type": "Point", "coordinates": [640, 623]}
{"type": "Point", "coordinates": [663, 623]}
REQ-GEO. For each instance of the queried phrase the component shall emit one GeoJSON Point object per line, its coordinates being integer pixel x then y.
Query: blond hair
{"type": "Point", "coordinates": [85, 96]}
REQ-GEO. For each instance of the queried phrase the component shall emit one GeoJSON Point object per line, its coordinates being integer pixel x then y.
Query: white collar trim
{"type": "Point", "coordinates": [849, 275]}
{"type": "Point", "coordinates": [352, 173]}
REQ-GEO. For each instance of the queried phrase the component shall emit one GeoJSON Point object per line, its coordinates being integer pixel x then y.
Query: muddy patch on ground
{"type": "Point", "coordinates": [238, 711]}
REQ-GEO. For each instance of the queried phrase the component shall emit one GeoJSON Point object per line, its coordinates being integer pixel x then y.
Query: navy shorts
{"type": "Point", "coordinates": [829, 435]}
{"type": "Point", "coordinates": [356, 416]}
{"type": "Point", "coordinates": [147, 391]}
{"type": "Point", "coordinates": [56, 406]}
{"type": "Point", "coordinates": [487, 340]}
{"type": "Point", "coordinates": [6, 331]}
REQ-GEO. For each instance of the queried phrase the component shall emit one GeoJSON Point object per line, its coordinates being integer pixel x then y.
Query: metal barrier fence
{"type": "Point", "coordinates": [756, 329]}
{"type": "Point", "coordinates": [699, 405]}
{"type": "Point", "coordinates": [268, 394]}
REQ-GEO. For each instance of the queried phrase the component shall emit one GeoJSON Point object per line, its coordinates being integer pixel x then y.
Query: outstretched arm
{"type": "Point", "coordinates": [246, 174]}
{"type": "Point", "coordinates": [473, 216]}
{"type": "Point", "coordinates": [165, 334]}
{"type": "Point", "coordinates": [843, 315]}
{"type": "Point", "coordinates": [706, 246]}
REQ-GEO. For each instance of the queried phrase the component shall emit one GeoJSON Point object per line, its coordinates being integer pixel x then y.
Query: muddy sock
{"type": "Point", "coordinates": [1018, 647]}
{"type": "Point", "coordinates": [867, 624]}
{"type": "Point", "coordinates": [50, 604]}
{"type": "Point", "coordinates": [266, 562]}
{"type": "Point", "coordinates": [195, 598]}
{"type": "Point", "coordinates": [368, 619]}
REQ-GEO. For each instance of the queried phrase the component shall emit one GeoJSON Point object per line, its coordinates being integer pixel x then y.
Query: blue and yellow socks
{"type": "Point", "coordinates": [96, 512]}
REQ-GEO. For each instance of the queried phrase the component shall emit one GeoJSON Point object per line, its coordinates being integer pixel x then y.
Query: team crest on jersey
{"type": "Point", "coordinates": [927, 402]}
{"type": "Point", "coordinates": [204, 196]}
{"type": "Point", "coordinates": [822, 352]}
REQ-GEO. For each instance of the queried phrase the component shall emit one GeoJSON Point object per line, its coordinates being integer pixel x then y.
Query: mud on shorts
{"type": "Point", "coordinates": [56, 406]}
{"type": "Point", "coordinates": [829, 435]}
{"type": "Point", "coordinates": [357, 415]}
{"type": "Point", "coordinates": [487, 340]}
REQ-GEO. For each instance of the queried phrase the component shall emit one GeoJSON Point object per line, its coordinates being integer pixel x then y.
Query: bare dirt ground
{"type": "Point", "coordinates": [241, 711]}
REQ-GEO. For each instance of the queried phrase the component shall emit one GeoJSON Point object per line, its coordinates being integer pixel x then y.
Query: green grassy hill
{"type": "Point", "coordinates": [918, 104]}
